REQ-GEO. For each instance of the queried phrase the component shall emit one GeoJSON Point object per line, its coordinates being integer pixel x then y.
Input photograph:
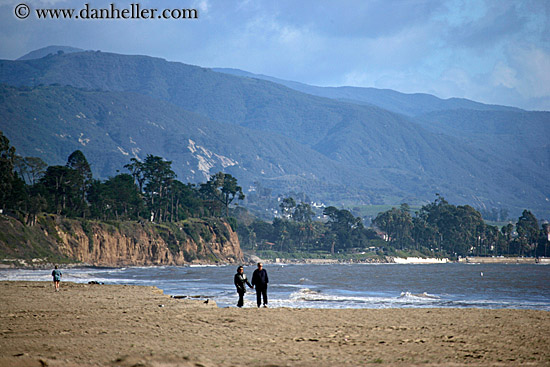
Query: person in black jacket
{"type": "Point", "coordinates": [241, 282]}
{"type": "Point", "coordinates": [260, 280]}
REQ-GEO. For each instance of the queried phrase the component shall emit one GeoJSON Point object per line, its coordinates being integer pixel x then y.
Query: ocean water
{"type": "Point", "coordinates": [492, 286]}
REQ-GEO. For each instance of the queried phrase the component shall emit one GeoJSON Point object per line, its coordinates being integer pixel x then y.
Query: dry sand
{"type": "Point", "coordinates": [107, 325]}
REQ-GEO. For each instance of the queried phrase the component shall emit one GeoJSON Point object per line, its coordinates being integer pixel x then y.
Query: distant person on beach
{"type": "Point", "coordinates": [260, 280]}
{"type": "Point", "coordinates": [56, 274]}
{"type": "Point", "coordinates": [241, 282]}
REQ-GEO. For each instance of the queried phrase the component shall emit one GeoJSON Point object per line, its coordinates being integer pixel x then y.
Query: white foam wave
{"type": "Point", "coordinates": [310, 295]}
{"type": "Point", "coordinates": [418, 295]}
{"type": "Point", "coordinates": [306, 297]}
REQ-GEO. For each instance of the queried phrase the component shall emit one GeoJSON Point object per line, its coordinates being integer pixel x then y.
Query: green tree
{"type": "Point", "coordinates": [528, 232]}
{"type": "Point", "coordinates": [287, 206]}
{"type": "Point", "coordinates": [545, 237]}
{"type": "Point", "coordinates": [136, 169]}
{"type": "Point", "coordinates": [36, 204]}
{"type": "Point", "coordinates": [78, 162]}
{"type": "Point", "coordinates": [493, 239]}
{"type": "Point", "coordinates": [24, 192]}
{"type": "Point", "coordinates": [344, 228]}
{"type": "Point", "coordinates": [30, 168]}
{"type": "Point", "coordinates": [223, 188]}
{"type": "Point", "coordinates": [117, 198]}
{"type": "Point", "coordinates": [507, 232]}
{"type": "Point", "coordinates": [60, 187]}
{"type": "Point", "coordinates": [397, 224]}
{"type": "Point", "coordinates": [7, 176]}
{"type": "Point", "coordinates": [303, 213]}
{"type": "Point", "coordinates": [451, 229]}
{"type": "Point", "coordinates": [424, 234]}
{"type": "Point", "coordinates": [282, 230]}
{"type": "Point", "coordinates": [158, 177]}
{"type": "Point", "coordinates": [185, 202]}
{"type": "Point", "coordinates": [263, 230]}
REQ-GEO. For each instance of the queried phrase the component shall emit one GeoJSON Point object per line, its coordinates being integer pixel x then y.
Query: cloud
{"type": "Point", "coordinates": [504, 76]}
{"type": "Point", "coordinates": [202, 6]}
{"type": "Point", "coordinates": [352, 19]}
{"type": "Point", "coordinates": [496, 51]}
{"type": "Point", "coordinates": [532, 67]}
{"type": "Point", "coordinates": [497, 25]}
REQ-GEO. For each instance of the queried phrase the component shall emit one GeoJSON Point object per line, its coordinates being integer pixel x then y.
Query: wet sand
{"type": "Point", "coordinates": [108, 325]}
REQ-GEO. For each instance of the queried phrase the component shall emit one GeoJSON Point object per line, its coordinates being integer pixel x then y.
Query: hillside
{"type": "Point", "coordinates": [510, 134]}
{"type": "Point", "coordinates": [410, 104]}
{"type": "Point", "coordinates": [57, 239]}
{"type": "Point", "coordinates": [111, 127]}
{"type": "Point", "coordinates": [500, 133]}
{"type": "Point", "coordinates": [50, 50]}
{"type": "Point", "coordinates": [331, 149]}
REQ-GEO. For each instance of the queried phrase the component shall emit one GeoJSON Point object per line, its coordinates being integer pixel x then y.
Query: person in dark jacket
{"type": "Point", "coordinates": [241, 282]}
{"type": "Point", "coordinates": [260, 280]}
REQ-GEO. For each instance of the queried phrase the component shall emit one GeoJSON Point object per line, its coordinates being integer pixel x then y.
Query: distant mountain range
{"type": "Point", "coordinates": [50, 50]}
{"type": "Point", "coordinates": [341, 145]}
{"type": "Point", "coordinates": [406, 104]}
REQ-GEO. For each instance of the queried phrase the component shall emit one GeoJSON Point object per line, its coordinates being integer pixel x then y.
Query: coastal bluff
{"type": "Point", "coordinates": [117, 243]}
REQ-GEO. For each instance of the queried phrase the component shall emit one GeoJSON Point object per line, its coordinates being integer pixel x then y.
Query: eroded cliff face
{"type": "Point", "coordinates": [131, 243]}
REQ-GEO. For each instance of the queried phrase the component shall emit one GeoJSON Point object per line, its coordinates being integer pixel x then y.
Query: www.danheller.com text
{"type": "Point", "coordinates": [133, 11]}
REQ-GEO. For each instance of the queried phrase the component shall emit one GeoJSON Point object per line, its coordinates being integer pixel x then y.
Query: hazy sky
{"type": "Point", "coordinates": [492, 51]}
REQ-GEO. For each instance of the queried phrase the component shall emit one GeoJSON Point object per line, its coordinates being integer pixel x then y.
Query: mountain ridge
{"type": "Point", "coordinates": [372, 150]}
{"type": "Point", "coordinates": [49, 50]}
{"type": "Point", "coordinates": [112, 127]}
{"type": "Point", "coordinates": [409, 104]}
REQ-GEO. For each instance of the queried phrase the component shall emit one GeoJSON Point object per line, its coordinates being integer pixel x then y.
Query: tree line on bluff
{"type": "Point", "coordinates": [150, 191]}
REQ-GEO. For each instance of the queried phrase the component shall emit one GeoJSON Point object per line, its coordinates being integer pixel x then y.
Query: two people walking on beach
{"type": "Point", "coordinates": [56, 274]}
{"type": "Point", "coordinates": [259, 281]}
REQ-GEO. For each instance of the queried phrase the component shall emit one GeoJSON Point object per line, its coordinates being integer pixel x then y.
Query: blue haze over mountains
{"type": "Point", "coordinates": [352, 145]}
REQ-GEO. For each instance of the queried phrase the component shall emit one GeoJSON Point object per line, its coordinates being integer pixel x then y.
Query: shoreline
{"type": "Point", "coordinates": [36, 265]}
{"type": "Point", "coordinates": [505, 260]}
{"type": "Point", "coordinates": [122, 325]}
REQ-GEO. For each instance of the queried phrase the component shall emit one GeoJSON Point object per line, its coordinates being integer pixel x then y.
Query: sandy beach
{"type": "Point", "coordinates": [108, 325]}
